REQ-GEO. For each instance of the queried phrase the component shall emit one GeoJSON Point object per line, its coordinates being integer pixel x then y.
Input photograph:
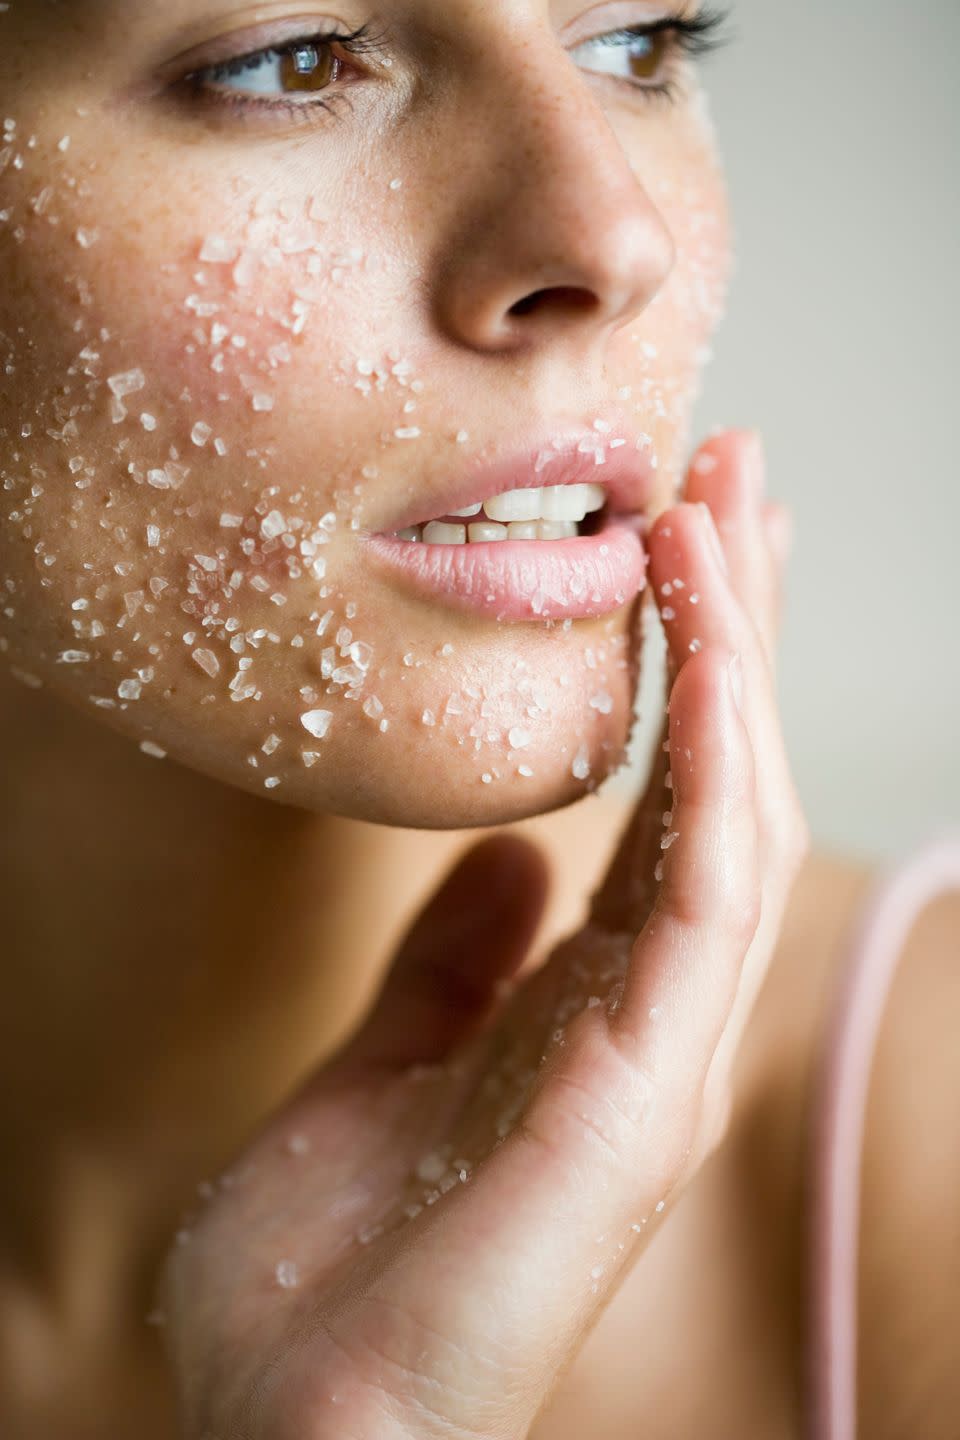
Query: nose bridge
{"type": "Point", "coordinates": [554, 225]}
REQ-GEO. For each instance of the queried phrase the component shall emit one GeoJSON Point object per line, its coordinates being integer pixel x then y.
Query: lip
{"type": "Point", "coordinates": [566, 454]}
{"type": "Point", "coordinates": [581, 578]}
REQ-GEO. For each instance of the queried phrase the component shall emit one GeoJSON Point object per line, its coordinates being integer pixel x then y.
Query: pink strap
{"type": "Point", "coordinates": [873, 950]}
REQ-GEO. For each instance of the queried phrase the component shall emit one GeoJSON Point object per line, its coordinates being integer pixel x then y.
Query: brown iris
{"type": "Point", "coordinates": [308, 67]}
{"type": "Point", "coordinates": [647, 56]}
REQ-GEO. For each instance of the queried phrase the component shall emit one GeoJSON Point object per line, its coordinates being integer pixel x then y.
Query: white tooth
{"type": "Point", "coordinates": [564, 502]}
{"type": "Point", "coordinates": [596, 498]}
{"type": "Point", "coordinates": [436, 533]}
{"type": "Point", "coordinates": [470, 510]}
{"type": "Point", "coordinates": [523, 530]}
{"type": "Point", "coordinates": [412, 532]}
{"type": "Point", "coordinates": [485, 530]}
{"type": "Point", "coordinates": [557, 530]}
{"type": "Point", "coordinates": [514, 505]}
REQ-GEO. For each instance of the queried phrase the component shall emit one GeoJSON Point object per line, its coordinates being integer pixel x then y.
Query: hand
{"type": "Point", "coordinates": [420, 1242]}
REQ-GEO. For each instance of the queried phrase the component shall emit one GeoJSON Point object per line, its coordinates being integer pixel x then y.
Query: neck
{"type": "Point", "coordinates": [177, 954]}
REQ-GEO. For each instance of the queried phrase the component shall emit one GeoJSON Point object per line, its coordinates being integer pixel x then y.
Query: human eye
{"type": "Point", "coordinates": [305, 71]}
{"type": "Point", "coordinates": [647, 57]}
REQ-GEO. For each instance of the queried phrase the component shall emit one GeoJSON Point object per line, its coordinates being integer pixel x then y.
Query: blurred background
{"type": "Point", "coordinates": [840, 124]}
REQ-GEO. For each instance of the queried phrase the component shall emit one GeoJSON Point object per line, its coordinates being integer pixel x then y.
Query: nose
{"type": "Point", "coordinates": [552, 236]}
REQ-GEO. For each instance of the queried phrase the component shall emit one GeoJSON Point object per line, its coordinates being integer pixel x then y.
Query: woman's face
{"type": "Point", "coordinates": [257, 312]}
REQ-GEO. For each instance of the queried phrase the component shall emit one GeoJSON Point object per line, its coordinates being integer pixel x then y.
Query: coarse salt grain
{"type": "Point", "coordinates": [207, 661]}
{"type": "Point", "coordinates": [317, 722]}
{"type": "Point", "coordinates": [288, 1276]}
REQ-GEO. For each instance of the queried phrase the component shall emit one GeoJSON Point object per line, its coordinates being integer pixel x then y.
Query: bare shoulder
{"type": "Point", "coordinates": [721, 1292]}
{"type": "Point", "coordinates": [909, 1261]}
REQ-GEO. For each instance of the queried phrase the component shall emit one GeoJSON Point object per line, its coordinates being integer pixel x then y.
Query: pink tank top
{"type": "Point", "coordinates": [842, 1085]}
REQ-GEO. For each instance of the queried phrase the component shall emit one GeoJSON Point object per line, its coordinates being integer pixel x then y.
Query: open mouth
{"type": "Point", "coordinates": [515, 549]}
{"type": "Point", "coordinates": [554, 512]}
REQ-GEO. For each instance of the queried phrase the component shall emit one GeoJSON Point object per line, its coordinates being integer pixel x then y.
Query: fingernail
{"type": "Point", "coordinates": [735, 671]}
{"type": "Point", "coordinates": [713, 537]}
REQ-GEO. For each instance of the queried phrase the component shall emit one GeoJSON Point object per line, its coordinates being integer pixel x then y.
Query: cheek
{"type": "Point", "coordinates": [663, 354]}
{"type": "Point", "coordinates": [205, 390]}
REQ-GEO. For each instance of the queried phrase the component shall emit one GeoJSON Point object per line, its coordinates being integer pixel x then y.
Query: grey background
{"type": "Point", "coordinates": [840, 125]}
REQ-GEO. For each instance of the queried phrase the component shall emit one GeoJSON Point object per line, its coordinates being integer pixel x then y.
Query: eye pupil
{"type": "Point", "coordinates": [647, 56]}
{"type": "Point", "coordinates": [304, 59]}
{"type": "Point", "coordinates": [307, 67]}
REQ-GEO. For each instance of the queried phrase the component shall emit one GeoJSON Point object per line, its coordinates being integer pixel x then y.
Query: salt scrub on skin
{"type": "Point", "coordinates": [273, 297]}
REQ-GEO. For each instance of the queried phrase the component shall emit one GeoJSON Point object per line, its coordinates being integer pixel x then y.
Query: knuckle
{"type": "Point", "coordinates": [600, 1098]}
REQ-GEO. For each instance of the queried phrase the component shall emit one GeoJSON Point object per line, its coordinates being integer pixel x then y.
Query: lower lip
{"type": "Point", "coordinates": [575, 579]}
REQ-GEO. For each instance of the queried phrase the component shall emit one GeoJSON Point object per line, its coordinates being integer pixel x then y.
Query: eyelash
{"type": "Point", "coordinates": [692, 37]}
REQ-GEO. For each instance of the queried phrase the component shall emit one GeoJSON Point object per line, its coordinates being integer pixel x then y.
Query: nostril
{"type": "Point", "coordinates": [566, 295]}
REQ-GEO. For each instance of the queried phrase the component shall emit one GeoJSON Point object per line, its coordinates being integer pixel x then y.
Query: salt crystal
{"type": "Point", "coordinates": [148, 421]}
{"type": "Point", "coordinates": [63, 144]}
{"type": "Point", "coordinates": [270, 744]}
{"type": "Point", "coordinates": [602, 702]}
{"type": "Point", "coordinates": [207, 661]}
{"type": "Point", "coordinates": [407, 432]}
{"type": "Point", "coordinates": [129, 689]}
{"type": "Point", "coordinates": [201, 433]}
{"type": "Point", "coordinates": [217, 250]}
{"type": "Point", "coordinates": [127, 382]}
{"type": "Point", "coordinates": [705, 464]}
{"type": "Point", "coordinates": [581, 764]}
{"type": "Point", "coordinates": [86, 238]}
{"type": "Point", "coordinates": [432, 1167]}
{"type": "Point", "coordinates": [525, 771]}
{"type": "Point", "coordinates": [230, 522]}
{"type": "Point", "coordinates": [372, 707]}
{"type": "Point", "coordinates": [429, 718]}
{"type": "Point", "coordinates": [149, 748]}
{"type": "Point", "coordinates": [519, 739]}
{"type": "Point", "coordinates": [272, 525]}
{"type": "Point", "coordinates": [317, 722]}
{"type": "Point", "coordinates": [272, 782]}
{"type": "Point", "coordinates": [262, 401]}
{"type": "Point", "coordinates": [288, 1276]}
{"type": "Point", "coordinates": [74, 657]}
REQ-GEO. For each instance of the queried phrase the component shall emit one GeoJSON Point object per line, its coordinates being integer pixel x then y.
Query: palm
{"type": "Point", "coordinates": [416, 1245]}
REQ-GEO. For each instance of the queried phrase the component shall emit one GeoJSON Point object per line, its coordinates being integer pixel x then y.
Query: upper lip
{"type": "Point", "coordinates": [565, 453]}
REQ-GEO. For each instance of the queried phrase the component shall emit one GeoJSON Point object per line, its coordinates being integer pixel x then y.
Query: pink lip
{"type": "Point", "coordinates": [566, 455]}
{"type": "Point", "coordinates": [581, 578]}
{"type": "Point", "coordinates": [589, 576]}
